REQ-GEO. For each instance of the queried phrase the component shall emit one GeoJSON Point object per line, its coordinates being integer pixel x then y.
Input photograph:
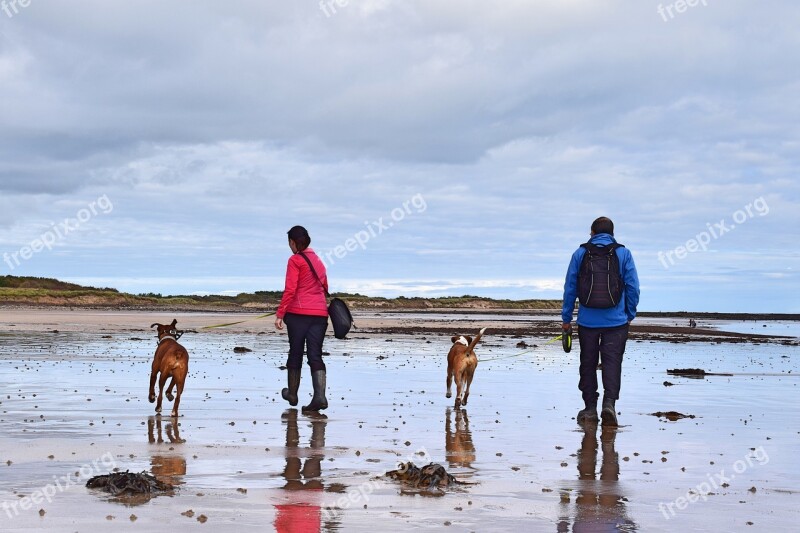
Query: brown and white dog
{"type": "Point", "coordinates": [172, 361]}
{"type": "Point", "coordinates": [461, 365]}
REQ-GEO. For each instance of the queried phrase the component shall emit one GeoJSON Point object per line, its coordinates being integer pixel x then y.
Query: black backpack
{"type": "Point", "coordinates": [599, 282]}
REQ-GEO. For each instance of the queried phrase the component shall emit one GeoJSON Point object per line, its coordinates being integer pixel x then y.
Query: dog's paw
{"type": "Point", "coordinates": [151, 398]}
{"type": "Point", "coordinates": [174, 414]}
{"type": "Point", "coordinates": [448, 395]}
{"type": "Point", "coordinates": [170, 397]}
{"type": "Point", "coordinates": [158, 410]}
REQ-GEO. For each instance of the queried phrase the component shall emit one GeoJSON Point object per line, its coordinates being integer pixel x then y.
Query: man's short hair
{"type": "Point", "coordinates": [603, 225]}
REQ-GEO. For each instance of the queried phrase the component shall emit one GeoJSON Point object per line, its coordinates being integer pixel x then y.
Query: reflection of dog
{"type": "Point", "coordinates": [155, 434]}
{"type": "Point", "coordinates": [167, 468]}
{"type": "Point", "coordinates": [460, 451]}
{"type": "Point", "coordinates": [172, 361]}
{"type": "Point", "coordinates": [461, 365]}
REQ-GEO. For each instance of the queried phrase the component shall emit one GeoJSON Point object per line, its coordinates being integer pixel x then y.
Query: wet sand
{"type": "Point", "coordinates": [75, 400]}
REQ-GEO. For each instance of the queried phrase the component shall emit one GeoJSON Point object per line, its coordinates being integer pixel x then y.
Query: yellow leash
{"type": "Point", "coordinates": [239, 322]}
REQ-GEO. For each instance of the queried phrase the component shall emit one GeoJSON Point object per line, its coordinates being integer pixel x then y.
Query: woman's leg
{"type": "Point", "coordinates": [315, 336]}
{"type": "Point", "coordinates": [296, 327]}
{"type": "Point", "coordinates": [294, 363]}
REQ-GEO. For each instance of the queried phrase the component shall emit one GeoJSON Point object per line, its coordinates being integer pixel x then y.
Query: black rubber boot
{"type": "Point", "coordinates": [318, 402]}
{"type": "Point", "coordinates": [290, 394]}
{"type": "Point", "coordinates": [609, 412]}
{"type": "Point", "coordinates": [588, 414]}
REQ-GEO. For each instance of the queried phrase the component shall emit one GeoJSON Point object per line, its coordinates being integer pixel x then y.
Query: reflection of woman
{"type": "Point", "coordinates": [302, 513]}
{"type": "Point", "coordinates": [304, 310]}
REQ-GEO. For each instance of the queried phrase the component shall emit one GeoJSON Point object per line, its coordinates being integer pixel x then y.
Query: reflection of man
{"type": "Point", "coordinates": [303, 514]}
{"type": "Point", "coordinates": [458, 444]}
{"type": "Point", "coordinates": [599, 505]}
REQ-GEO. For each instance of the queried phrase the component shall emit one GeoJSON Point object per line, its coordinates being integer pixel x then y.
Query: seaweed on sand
{"type": "Point", "coordinates": [431, 479]}
{"type": "Point", "coordinates": [128, 483]}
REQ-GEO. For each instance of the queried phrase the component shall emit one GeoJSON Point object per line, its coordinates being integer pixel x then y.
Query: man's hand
{"type": "Point", "coordinates": [279, 323]}
{"type": "Point", "coordinates": [566, 325]}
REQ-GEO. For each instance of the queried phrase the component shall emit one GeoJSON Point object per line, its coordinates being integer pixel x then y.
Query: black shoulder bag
{"type": "Point", "coordinates": [340, 315]}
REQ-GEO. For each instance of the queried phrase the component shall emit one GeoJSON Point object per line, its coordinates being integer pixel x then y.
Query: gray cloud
{"type": "Point", "coordinates": [216, 126]}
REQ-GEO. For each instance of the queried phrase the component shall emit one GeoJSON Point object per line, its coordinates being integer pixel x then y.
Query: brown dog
{"type": "Point", "coordinates": [172, 360]}
{"type": "Point", "coordinates": [461, 365]}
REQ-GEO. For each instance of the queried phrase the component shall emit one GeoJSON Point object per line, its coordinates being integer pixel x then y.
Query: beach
{"type": "Point", "coordinates": [74, 404]}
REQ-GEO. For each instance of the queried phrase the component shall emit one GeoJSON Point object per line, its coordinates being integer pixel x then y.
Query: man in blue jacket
{"type": "Point", "coordinates": [602, 329]}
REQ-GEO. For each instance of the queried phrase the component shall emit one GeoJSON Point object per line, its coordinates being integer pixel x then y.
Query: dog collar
{"type": "Point", "coordinates": [162, 339]}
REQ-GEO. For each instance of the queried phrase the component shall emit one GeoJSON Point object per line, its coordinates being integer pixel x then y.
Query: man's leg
{"type": "Point", "coordinates": [589, 339]}
{"type": "Point", "coordinates": [612, 347]}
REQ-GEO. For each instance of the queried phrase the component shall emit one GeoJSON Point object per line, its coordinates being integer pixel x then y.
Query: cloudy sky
{"type": "Point", "coordinates": [169, 146]}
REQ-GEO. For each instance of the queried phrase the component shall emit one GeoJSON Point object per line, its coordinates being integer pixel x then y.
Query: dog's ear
{"type": "Point", "coordinates": [453, 339]}
{"type": "Point", "coordinates": [469, 339]}
{"type": "Point", "coordinates": [154, 325]}
{"type": "Point", "coordinates": [174, 321]}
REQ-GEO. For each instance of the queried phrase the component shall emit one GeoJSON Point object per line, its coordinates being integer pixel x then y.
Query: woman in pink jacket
{"type": "Point", "coordinates": [304, 310]}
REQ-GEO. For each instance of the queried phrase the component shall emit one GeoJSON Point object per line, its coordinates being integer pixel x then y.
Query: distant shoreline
{"type": "Point", "coordinates": [357, 305]}
{"type": "Point", "coordinates": [22, 292]}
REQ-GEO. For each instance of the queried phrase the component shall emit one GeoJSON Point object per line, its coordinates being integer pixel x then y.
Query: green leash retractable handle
{"type": "Point", "coordinates": [566, 339]}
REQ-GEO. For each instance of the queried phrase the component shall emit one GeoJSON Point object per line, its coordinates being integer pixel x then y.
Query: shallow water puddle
{"type": "Point", "coordinates": [73, 404]}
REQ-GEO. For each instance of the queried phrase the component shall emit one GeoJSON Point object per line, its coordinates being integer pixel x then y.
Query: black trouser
{"type": "Point", "coordinates": [610, 342]}
{"type": "Point", "coordinates": [306, 332]}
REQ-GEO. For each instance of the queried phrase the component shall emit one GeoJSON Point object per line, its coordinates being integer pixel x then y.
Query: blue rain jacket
{"type": "Point", "coordinates": [625, 310]}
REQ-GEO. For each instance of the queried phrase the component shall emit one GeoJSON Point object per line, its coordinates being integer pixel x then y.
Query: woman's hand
{"type": "Point", "coordinates": [279, 323]}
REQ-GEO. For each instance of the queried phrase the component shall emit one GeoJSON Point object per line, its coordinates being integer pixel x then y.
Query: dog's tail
{"type": "Point", "coordinates": [475, 341]}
